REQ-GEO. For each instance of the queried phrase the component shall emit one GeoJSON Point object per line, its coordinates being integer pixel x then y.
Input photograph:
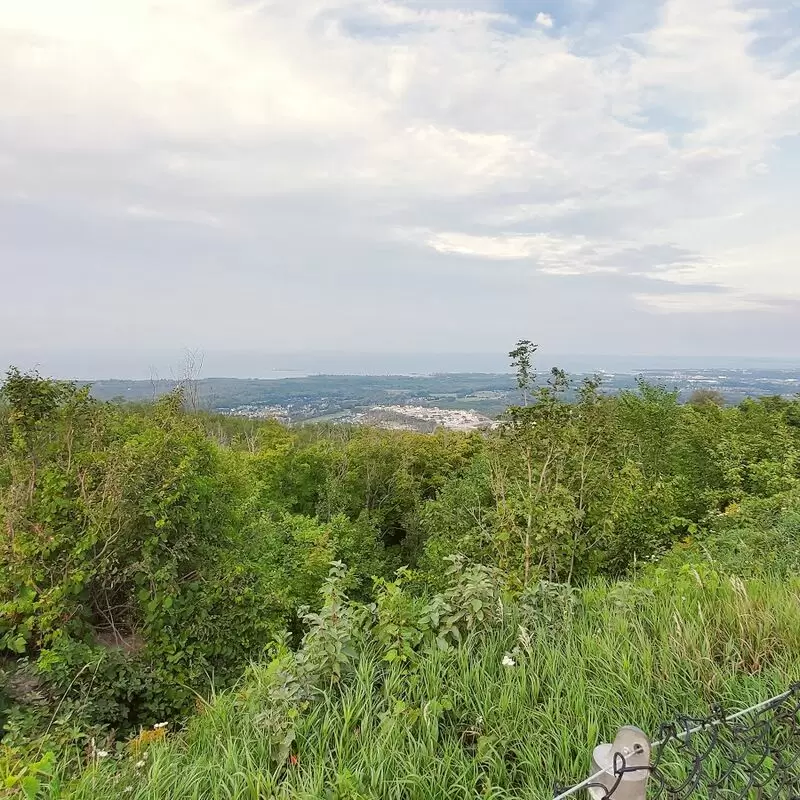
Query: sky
{"type": "Point", "coordinates": [251, 177]}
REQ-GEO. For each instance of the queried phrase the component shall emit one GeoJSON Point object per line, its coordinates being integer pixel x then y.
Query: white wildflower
{"type": "Point", "coordinates": [508, 661]}
{"type": "Point", "coordinates": [160, 725]}
{"type": "Point", "coordinates": [139, 764]}
{"type": "Point", "coordinates": [102, 753]}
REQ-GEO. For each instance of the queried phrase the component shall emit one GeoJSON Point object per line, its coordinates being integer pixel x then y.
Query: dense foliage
{"type": "Point", "coordinates": [149, 553]}
{"type": "Point", "coordinates": [510, 707]}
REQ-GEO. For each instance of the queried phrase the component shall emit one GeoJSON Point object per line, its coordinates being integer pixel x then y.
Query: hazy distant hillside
{"type": "Point", "coordinates": [326, 396]}
{"type": "Point", "coordinates": [319, 395]}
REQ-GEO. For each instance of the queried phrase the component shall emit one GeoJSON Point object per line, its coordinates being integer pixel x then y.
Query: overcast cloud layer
{"type": "Point", "coordinates": [604, 176]}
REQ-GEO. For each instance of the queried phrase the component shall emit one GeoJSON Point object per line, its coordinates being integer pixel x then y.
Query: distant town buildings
{"type": "Point", "coordinates": [425, 419]}
{"type": "Point", "coordinates": [399, 417]}
{"type": "Point", "coordinates": [279, 413]}
{"type": "Point", "coordinates": [426, 404]}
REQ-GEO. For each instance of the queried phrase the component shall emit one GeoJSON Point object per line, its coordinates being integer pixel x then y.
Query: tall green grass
{"type": "Point", "coordinates": [459, 723]}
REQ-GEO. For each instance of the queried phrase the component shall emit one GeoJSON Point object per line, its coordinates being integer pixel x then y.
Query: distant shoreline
{"type": "Point", "coordinates": [88, 367]}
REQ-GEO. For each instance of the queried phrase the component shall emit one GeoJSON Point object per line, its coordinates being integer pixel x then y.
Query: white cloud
{"type": "Point", "coordinates": [553, 255]}
{"type": "Point", "coordinates": [494, 247]}
{"type": "Point", "coordinates": [182, 215]}
{"type": "Point", "coordinates": [700, 303]}
{"type": "Point", "coordinates": [522, 147]}
{"type": "Point", "coordinates": [576, 254]}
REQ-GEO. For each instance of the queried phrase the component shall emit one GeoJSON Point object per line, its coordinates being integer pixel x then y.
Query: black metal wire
{"type": "Point", "coordinates": [754, 756]}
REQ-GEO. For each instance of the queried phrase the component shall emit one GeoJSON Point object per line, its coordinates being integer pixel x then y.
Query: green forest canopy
{"type": "Point", "coordinates": [151, 553]}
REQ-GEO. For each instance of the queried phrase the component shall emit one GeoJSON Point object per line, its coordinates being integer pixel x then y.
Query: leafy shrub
{"type": "Point", "coordinates": [472, 600]}
{"type": "Point", "coordinates": [497, 715]}
{"type": "Point", "coordinates": [401, 623]}
{"type": "Point", "coordinates": [757, 537]}
{"type": "Point", "coordinates": [551, 605]}
{"type": "Point", "coordinates": [329, 645]}
{"type": "Point", "coordinates": [126, 578]}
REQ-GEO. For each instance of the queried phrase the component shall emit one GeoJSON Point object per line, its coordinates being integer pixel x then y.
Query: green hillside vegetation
{"type": "Point", "coordinates": [316, 395]}
{"type": "Point", "coordinates": [372, 707]}
{"type": "Point", "coordinates": [633, 557]}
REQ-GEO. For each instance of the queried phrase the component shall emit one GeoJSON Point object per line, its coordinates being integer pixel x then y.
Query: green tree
{"type": "Point", "coordinates": [522, 364]}
{"type": "Point", "coordinates": [702, 397]}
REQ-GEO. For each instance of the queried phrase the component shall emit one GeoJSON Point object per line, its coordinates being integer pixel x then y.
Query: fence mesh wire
{"type": "Point", "coordinates": [753, 755]}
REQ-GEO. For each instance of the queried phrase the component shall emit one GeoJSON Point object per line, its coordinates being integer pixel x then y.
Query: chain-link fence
{"type": "Point", "coordinates": [749, 755]}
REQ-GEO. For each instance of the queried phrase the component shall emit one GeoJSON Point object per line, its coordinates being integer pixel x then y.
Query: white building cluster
{"type": "Point", "coordinates": [453, 419]}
